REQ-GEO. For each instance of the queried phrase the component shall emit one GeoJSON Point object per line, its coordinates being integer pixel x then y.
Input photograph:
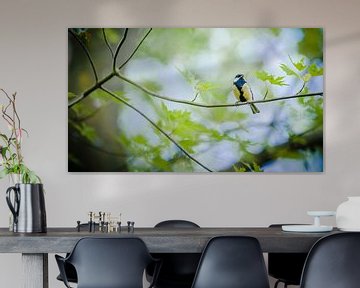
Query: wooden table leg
{"type": "Point", "coordinates": [35, 270]}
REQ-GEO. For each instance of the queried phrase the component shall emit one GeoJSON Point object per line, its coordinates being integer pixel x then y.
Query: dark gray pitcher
{"type": "Point", "coordinates": [27, 207]}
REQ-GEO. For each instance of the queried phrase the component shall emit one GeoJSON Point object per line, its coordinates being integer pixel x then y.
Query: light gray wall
{"type": "Point", "coordinates": [33, 62]}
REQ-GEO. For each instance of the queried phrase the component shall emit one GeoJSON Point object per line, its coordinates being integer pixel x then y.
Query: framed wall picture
{"type": "Point", "coordinates": [195, 100]}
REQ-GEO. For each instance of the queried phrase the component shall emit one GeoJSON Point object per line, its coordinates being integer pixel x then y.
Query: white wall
{"type": "Point", "coordinates": [33, 62]}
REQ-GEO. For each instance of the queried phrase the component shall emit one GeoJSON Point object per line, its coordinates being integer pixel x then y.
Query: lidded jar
{"type": "Point", "coordinates": [348, 214]}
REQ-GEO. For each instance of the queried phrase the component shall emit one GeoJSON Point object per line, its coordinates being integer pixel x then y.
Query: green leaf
{"type": "Point", "coordinates": [4, 137]}
{"type": "Point", "coordinates": [275, 31]}
{"type": "Point", "coordinates": [86, 131]}
{"type": "Point", "coordinates": [71, 96]}
{"type": "Point", "coordinates": [299, 65]}
{"type": "Point", "coordinates": [140, 139]}
{"type": "Point", "coordinates": [264, 76]}
{"type": "Point", "coordinates": [152, 86]}
{"type": "Point", "coordinates": [3, 151]}
{"type": "Point", "coordinates": [305, 91]}
{"type": "Point", "coordinates": [306, 77]}
{"type": "Point", "coordinates": [289, 71]}
{"type": "Point", "coordinates": [205, 86]}
{"type": "Point", "coordinates": [312, 44]}
{"type": "Point", "coordinates": [189, 77]}
{"type": "Point", "coordinates": [314, 70]}
{"type": "Point", "coordinates": [113, 35]}
{"type": "Point", "coordinates": [239, 169]}
{"type": "Point", "coordinates": [161, 164]}
{"type": "Point", "coordinates": [164, 44]}
{"type": "Point", "coordinates": [257, 168]}
{"type": "Point", "coordinates": [4, 173]}
{"type": "Point", "coordinates": [188, 145]}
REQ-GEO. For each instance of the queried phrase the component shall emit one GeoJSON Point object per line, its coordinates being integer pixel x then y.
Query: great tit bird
{"type": "Point", "coordinates": [243, 93]}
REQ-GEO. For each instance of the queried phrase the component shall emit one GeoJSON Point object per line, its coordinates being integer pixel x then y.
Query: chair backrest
{"type": "Point", "coordinates": [178, 269]}
{"type": "Point", "coordinates": [333, 262]}
{"type": "Point", "coordinates": [176, 224]}
{"type": "Point", "coordinates": [232, 262]}
{"type": "Point", "coordinates": [110, 262]}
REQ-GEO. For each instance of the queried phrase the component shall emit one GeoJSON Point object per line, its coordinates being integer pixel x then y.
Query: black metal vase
{"type": "Point", "coordinates": [27, 207]}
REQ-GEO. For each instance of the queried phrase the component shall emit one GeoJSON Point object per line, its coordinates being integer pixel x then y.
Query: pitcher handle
{"type": "Point", "coordinates": [13, 208]}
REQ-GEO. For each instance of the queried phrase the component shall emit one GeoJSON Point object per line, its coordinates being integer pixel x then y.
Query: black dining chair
{"type": "Point", "coordinates": [70, 271]}
{"type": "Point", "coordinates": [286, 267]}
{"type": "Point", "coordinates": [333, 262]}
{"type": "Point", "coordinates": [178, 269]}
{"type": "Point", "coordinates": [232, 262]}
{"type": "Point", "coordinates": [108, 263]}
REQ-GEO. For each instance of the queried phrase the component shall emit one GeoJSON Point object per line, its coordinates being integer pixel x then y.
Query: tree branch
{"type": "Point", "coordinates": [121, 43]}
{"type": "Point", "coordinates": [122, 77]}
{"type": "Point", "coordinates": [107, 43]}
{"type": "Point", "coordinates": [111, 75]}
{"type": "Point", "coordinates": [137, 47]}
{"type": "Point", "coordinates": [86, 52]}
{"type": "Point", "coordinates": [96, 86]}
{"type": "Point", "coordinates": [156, 127]}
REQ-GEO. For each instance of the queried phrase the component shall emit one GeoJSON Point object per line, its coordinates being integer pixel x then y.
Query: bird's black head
{"type": "Point", "coordinates": [239, 77]}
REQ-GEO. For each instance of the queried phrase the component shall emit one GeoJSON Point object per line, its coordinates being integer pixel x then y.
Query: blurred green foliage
{"type": "Point", "coordinates": [311, 45]}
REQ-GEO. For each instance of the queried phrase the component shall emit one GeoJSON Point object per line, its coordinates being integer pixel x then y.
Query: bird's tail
{"type": "Point", "coordinates": [254, 109]}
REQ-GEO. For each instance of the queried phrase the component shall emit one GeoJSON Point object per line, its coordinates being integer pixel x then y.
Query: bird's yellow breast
{"type": "Point", "coordinates": [236, 92]}
{"type": "Point", "coordinates": [247, 92]}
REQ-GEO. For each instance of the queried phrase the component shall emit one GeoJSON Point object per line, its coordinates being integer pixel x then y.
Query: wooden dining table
{"type": "Point", "coordinates": [35, 247]}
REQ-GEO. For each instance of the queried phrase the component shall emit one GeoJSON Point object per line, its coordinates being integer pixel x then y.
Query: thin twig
{"type": "Point", "coordinates": [15, 125]}
{"type": "Point", "coordinates": [267, 91]}
{"type": "Point", "coordinates": [107, 43]}
{"type": "Point", "coordinates": [214, 105]}
{"type": "Point", "coordinates": [157, 127]}
{"type": "Point", "coordinates": [302, 88]}
{"type": "Point", "coordinates": [86, 52]}
{"type": "Point", "coordinates": [17, 129]}
{"type": "Point", "coordinates": [6, 116]}
{"type": "Point", "coordinates": [197, 94]}
{"type": "Point", "coordinates": [121, 43]}
{"type": "Point", "coordinates": [137, 47]}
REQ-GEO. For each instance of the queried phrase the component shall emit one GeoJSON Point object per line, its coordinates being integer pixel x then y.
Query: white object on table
{"type": "Point", "coordinates": [348, 214]}
{"type": "Point", "coordinates": [316, 227]}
